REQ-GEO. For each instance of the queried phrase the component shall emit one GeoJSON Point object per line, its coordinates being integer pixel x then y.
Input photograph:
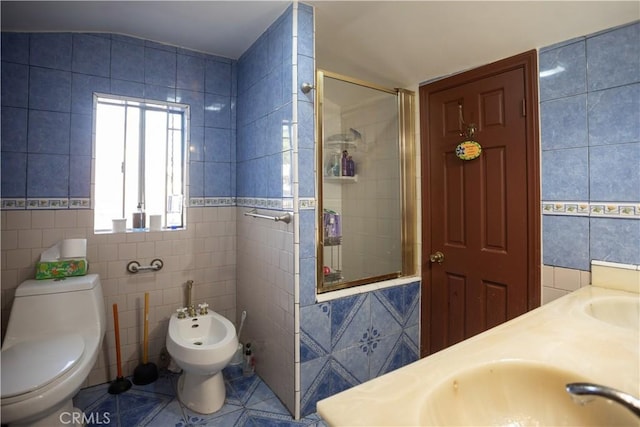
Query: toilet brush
{"type": "Point", "coordinates": [120, 384]}
{"type": "Point", "coordinates": [146, 372]}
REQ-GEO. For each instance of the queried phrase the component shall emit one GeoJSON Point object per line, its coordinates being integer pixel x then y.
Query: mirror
{"type": "Point", "coordinates": [366, 191]}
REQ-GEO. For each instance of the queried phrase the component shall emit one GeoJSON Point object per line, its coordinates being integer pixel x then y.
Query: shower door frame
{"type": "Point", "coordinates": [405, 101]}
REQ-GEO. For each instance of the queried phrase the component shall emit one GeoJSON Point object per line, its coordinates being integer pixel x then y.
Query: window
{"type": "Point", "coordinates": [140, 161]}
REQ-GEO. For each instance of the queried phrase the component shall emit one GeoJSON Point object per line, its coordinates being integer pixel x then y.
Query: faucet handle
{"type": "Point", "coordinates": [181, 312]}
{"type": "Point", "coordinates": [203, 308]}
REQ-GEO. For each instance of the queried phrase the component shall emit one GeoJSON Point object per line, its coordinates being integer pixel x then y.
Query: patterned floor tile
{"type": "Point", "coordinates": [249, 403]}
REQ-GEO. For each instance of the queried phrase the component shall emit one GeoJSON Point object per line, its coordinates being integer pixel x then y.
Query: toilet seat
{"type": "Point", "coordinates": [29, 365]}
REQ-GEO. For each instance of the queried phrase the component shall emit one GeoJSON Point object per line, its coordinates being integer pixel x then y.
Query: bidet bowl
{"type": "Point", "coordinates": [203, 344]}
{"type": "Point", "coordinates": [517, 392]}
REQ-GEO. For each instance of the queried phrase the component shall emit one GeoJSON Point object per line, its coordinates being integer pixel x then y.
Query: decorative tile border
{"type": "Point", "coordinates": [630, 210]}
{"type": "Point", "coordinates": [307, 203]}
{"type": "Point", "coordinates": [45, 203]}
{"type": "Point", "coordinates": [285, 204]}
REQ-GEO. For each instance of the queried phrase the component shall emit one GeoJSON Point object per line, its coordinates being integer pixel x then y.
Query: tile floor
{"type": "Point", "coordinates": [249, 402]}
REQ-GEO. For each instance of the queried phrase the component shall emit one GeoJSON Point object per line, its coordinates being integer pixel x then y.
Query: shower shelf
{"type": "Point", "coordinates": [341, 179]}
{"type": "Point", "coordinates": [341, 145]}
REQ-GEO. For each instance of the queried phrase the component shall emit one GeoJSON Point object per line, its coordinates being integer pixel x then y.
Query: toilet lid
{"type": "Point", "coordinates": [29, 365]}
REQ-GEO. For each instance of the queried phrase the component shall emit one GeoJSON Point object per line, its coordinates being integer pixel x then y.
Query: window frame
{"type": "Point", "coordinates": [144, 106]}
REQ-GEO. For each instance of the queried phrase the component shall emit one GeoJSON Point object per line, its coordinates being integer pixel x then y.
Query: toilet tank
{"type": "Point", "coordinates": [73, 304]}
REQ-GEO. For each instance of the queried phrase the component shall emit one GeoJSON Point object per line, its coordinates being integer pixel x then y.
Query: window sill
{"type": "Point", "coordinates": [142, 230]}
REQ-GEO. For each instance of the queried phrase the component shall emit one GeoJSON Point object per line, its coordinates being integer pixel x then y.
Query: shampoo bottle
{"type": "Point", "coordinates": [345, 155]}
{"type": "Point", "coordinates": [351, 167]}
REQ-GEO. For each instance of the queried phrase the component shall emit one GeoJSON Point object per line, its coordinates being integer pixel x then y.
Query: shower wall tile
{"type": "Point", "coordinates": [49, 132]}
{"type": "Point", "coordinates": [14, 174]}
{"type": "Point", "coordinates": [306, 31]}
{"type": "Point", "coordinates": [127, 88]}
{"type": "Point", "coordinates": [159, 92]}
{"type": "Point", "coordinates": [14, 129]}
{"type": "Point", "coordinates": [565, 242]}
{"type": "Point", "coordinates": [80, 137]}
{"type": "Point", "coordinates": [217, 145]}
{"type": "Point", "coordinates": [82, 90]}
{"type": "Point", "coordinates": [613, 115]}
{"type": "Point", "coordinates": [612, 58]}
{"type": "Point", "coordinates": [217, 179]}
{"type": "Point", "coordinates": [51, 50]}
{"type": "Point", "coordinates": [614, 172]}
{"type": "Point", "coordinates": [565, 122]}
{"type": "Point", "coordinates": [196, 102]}
{"type": "Point", "coordinates": [80, 176]}
{"type": "Point", "coordinates": [306, 163]}
{"type": "Point", "coordinates": [218, 77]}
{"type": "Point", "coordinates": [40, 169]}
{"type": "Point", "coordinates": [127, 61]}
{"type": "Point", "coordinates": [159, 67]}
{"type": "Point", "coordinates": [615, 240]}
{"type": "Point", "coordinates": [196, 179]}
{"type": "Point", "coordinates": [562, 71]}
{"type": "Point", "coordinates": [15, 47]}
{"type": "Point", "coordinates": [49, 89]}
{"type": "Point", "coordinates": [190, 71]}
{"type": "Point", "coordinates": [565, 174]}
{"type": "Point", "coordinates": [217, 110]}
{"type": "Point", "coordinates": [15, 85]}
{"type": "Point", "coordinates": [91, 55]}
{"type": "Point", "coordinates": [591, 154]}
{"type": "Point", "coordinates": [196, 143]}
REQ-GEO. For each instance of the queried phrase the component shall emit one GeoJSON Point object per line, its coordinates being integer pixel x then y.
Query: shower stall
{"type": "Point", "coordinates": [366, 164]}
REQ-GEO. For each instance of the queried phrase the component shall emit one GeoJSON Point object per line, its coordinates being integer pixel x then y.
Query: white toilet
{"type": "Point", "coordinates": [202, 346]}
{"type": "Point", "coordinates": [55, 330]}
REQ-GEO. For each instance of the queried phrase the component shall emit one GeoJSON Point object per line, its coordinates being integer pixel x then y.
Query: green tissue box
{"type": "Point", "coordinates": [66, 268]}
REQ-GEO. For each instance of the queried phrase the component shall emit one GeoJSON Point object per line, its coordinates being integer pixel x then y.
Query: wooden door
{"type": "Point", "coordinates": [483, 215]}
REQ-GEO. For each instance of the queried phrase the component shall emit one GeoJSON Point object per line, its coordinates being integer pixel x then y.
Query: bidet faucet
{"type": "Point", "coordinates": [190, 308]}
{"type": "Point", "coordinates": [589, 389]}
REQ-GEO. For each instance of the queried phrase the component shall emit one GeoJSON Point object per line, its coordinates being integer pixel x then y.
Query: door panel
{"type": "Point", "coordinates": [481, 213]}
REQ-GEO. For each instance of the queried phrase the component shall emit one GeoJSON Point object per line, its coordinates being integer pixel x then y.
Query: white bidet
{"type": "Point", "coordinates": [202, 346]}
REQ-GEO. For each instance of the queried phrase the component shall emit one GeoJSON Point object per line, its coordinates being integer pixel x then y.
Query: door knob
{"type": "Point", "coordinates": [437, 257]}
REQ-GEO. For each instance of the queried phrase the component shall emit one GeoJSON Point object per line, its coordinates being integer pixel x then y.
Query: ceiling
{"type": "Point", "coordinates": [392, 43]}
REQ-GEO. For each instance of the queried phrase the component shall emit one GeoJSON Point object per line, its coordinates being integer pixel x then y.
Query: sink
{"type": "Point", "coordinates": [517, 393]}
{"type": "Point", "coordinates": [618, 311]}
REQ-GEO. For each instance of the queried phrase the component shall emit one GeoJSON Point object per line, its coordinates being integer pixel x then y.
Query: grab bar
{"type": "Point", "coordinates": [286, 218]}
{"type": "Point", "coordinates": [134, 266]}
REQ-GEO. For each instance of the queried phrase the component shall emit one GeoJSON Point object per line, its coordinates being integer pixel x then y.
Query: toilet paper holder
{"type": "Point", "coordinates": [134, 266]}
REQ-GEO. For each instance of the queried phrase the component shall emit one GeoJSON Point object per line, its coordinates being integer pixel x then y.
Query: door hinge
{"type": "Point", "coordinates": [524, 107]}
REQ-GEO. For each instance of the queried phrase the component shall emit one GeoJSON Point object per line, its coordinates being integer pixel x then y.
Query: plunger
{"type": "Point", "coordinates": [120, 384]}
{"type": "Point", "coordinates": [146, 372]}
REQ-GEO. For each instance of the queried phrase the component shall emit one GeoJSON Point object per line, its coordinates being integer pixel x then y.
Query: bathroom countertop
{"type": "Point", "coordinates": [560, 334]}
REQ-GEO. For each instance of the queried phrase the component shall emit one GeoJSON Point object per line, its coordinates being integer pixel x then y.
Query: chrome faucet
{"type": "Point", "coordinates": [191, 310]}
{"type": "Point", "coordinates": [589, 389]}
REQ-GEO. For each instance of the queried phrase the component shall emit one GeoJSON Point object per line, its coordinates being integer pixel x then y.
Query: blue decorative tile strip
{"type": "Point", "coordinates": [628, 210]}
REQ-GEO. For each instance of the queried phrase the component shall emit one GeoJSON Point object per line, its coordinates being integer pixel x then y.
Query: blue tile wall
{"type": "Point", "coordinates": [48, 81]}
{"type": "Point", "coordinates": [351, 340]}
{"type": "Point", "coordinates": [590, 131]}
{"type": "Point", "coordinates": [264, 112]}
